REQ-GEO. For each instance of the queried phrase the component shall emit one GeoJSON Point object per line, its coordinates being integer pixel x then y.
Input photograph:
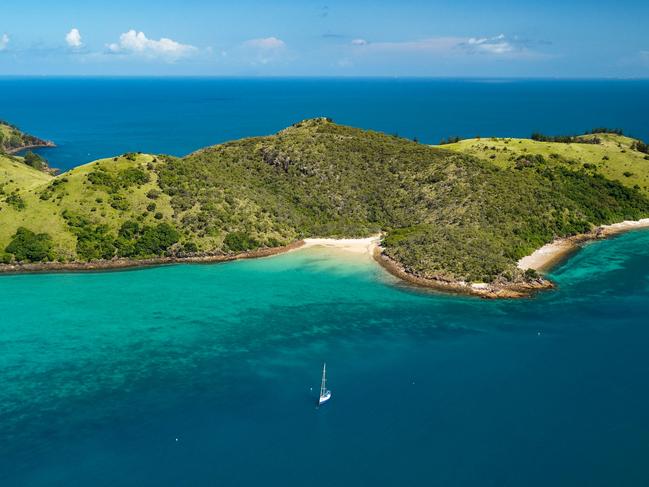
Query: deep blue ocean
{"type": "Point", "coordinates": [206, 375]}
{"type": "Point", "coordinates": [94, 118]}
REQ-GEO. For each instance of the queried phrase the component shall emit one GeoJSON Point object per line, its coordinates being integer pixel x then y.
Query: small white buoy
{"type": "Point", "coordinates": [538, 333]}
{"type": "Point", "coordinates": [176, 439]}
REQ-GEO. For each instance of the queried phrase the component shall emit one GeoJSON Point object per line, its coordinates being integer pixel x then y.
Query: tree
{"type": "Point", "coordinates": [34, 160]}
{"type": "Point", "coordinates": [29, 246]}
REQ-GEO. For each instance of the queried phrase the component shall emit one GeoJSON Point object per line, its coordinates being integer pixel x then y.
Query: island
{"type": "Point", "coordinates": [460, 217]}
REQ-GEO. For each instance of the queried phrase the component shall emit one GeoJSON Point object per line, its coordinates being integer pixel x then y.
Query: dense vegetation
{"type": "Point", "coordinates": [565, 139]}
{"type": "Point", "coordinates": [444, 214]}
{"type": "Point", "coordinates": [12, 138]}
{"type": "Point", "coordinates": [605, 130]}
{"type": "Point", "coordinates": [29, 246]}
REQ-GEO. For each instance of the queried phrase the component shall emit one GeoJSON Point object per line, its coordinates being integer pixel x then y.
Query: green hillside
{"type": "Point", "coordinates": [615, 156]}
{"type": "Point", "coordinates": [445, 215]}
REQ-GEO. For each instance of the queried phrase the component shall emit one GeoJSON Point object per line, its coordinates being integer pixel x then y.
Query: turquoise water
{"type": "Point", "coordinates": [90, 118]}
{"type": "Point", "coordinates": [205, 375]}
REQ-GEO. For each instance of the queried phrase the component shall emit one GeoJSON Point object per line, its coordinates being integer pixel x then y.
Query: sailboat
{"type": "Point", "coordinates": [325, 394]}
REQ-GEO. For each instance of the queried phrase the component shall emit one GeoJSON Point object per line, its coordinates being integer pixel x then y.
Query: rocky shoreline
{"type": "Point", "coordinates": [483, 290]}
{"type": "Point", "coordinates": [117, 264]}
{"type": "Point", "coordinates": [45, 144]}
{"type": "Point", "coordinates": [544, 259]}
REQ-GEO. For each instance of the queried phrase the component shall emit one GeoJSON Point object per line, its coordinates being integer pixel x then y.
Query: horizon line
{"type": "Point", "coordinates": [332, 77]}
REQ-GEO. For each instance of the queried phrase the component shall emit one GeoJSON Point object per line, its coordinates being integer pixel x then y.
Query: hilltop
{"type": "Point", "coordinates": [612, 155]}
{"type": "Point", "coordinates": [448, 217]}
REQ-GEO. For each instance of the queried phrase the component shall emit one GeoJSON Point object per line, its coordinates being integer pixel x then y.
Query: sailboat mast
{"type": "Point", "coordinates": [324, 380]}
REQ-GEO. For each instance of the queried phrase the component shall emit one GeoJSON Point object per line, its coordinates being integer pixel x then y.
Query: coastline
{"type": "Point", "coordinates": [118, 264]}
{"type": "Point", "coordinates": [482, 290]}
{"type": "Point", "coordinates": [555, 252]}
{"type": "Point", "coordinates": [361, 246]}
{"type": "Point", "coordinates": [541, 259]}
{"type": "Point", "coordinates": [16, 150]}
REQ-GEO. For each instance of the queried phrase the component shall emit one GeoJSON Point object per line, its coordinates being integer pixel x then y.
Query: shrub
{"type": "Point", "coordinates": [157, 239]}
{"type": "Point", "coordinates": [34, 160]}
{"type": "Point", "coordinates": [133, 176]}
{"type": "Point", "coordinates": [29, 246]}
{"type": "Point", "coordinates": [119, 202]}
{"type": "Point", "coordinates": [190, 247]}
{"type": "Point", "coordinates": [15, 200]}
{"type": "Point", "coordinates": [565, 139]}
{"type": "Point", "coordinates": [605, 130]}
{"type": "Point", "coordinates": [640, 146]}
{"type": "Point", "coordinates": [94, 242]}
{"type": "Point", "coordinates": [129, 229]}
{"type": "Point", "coordinates": [450, 140]}
{"type": "Point", "coordinates": [239, 242]}
{"type": "Point", "coordinates": [531, 274]}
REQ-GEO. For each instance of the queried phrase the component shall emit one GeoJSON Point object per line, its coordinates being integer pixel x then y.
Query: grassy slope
{"type": "Point", "coordinates": [447, 215]}
{"type": "Point", "coordinates": [621, 157]}
{"type": "Point", "coordinates": [75, 194]}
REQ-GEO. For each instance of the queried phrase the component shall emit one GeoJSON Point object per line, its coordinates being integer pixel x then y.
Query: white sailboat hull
{"type": "Point", "coordinates": [324, 397]}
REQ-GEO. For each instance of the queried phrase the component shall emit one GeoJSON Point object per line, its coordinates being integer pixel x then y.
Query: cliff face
{"type": "Point", "coordinates": [445, 216]}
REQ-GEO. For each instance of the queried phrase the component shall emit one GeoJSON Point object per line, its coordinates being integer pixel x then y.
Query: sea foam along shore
{"type": "Point", "coordinates": [552, 253]}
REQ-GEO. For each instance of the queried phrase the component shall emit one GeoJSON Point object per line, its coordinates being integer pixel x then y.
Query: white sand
{"type": "Point", "coordinates": [546, 254]}
{"type": "Point", "coordinates": [624, 226]}
{"type": "Point", "coordinates": [356, 245]}
{"type": "Point", "coordinates": [549, 253]}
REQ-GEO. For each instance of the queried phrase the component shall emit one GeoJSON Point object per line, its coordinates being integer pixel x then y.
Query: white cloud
{"type": "Point", "coordinates": [265, 43]}
{"type": "Point", "coordinates": [138, 43]}
{"type": "Point", "coordinates": [4, 41]}
{"type": "Point", "coordinates": [497, 46]}
{"type": "Point", "coordinates": [432, 45]}
{"type": "Point", "coordinates": [491, 45]}
{"type": "Point", "coordinates": [73, 38]}
{"type": "Point", "coordinates": [265, 50]}
{"type": "Point", "coordinates": [359, 42]}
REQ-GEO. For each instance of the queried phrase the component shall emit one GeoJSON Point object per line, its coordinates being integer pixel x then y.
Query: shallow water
{"type": "Point", "coordinates": [206, 375]}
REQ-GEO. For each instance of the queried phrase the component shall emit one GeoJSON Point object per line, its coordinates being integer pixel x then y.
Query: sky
{"type": "Point", "coordinates": [460, 38]}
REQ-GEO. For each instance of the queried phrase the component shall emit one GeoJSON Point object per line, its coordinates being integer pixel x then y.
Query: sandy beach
{"type": "Point", "coordinates": [362, 246]}
{"type": "Point", "coordinates": [551, 253]}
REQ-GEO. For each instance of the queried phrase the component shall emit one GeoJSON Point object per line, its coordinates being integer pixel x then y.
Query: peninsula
{"type": "Point", "coordinates": [457, 217]}
{"type": "Point", "coordinates": [13, 140]}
